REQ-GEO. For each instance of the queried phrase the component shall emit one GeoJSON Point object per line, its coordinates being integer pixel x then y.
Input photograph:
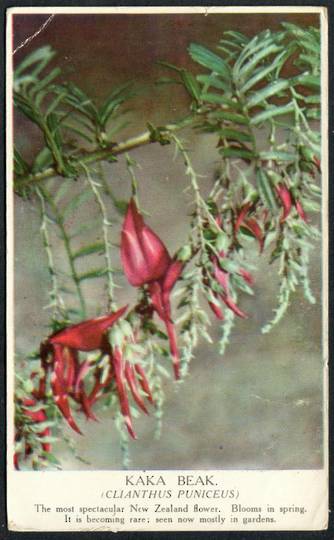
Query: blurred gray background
{"type": "Point", "coordinates": [259, 406]}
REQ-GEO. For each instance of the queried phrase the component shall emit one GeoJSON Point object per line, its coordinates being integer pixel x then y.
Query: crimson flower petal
{"type": "Point", "coordinates": [221, 276]}
{"type": "Point", "coordinates": [85, 403]}
{"type": "Point", "coordinates": [301, 211]}
{"type": "Point", "coordinates": [253, 226]}
{"type": "Point", "coordinates": [173, 347]}
{"type": "Point", "coordinates": [173, 273]}
{"type": "Point", "coordinates": [61, 400]}
{"type": "Point", "coordinates": [81, 373]}
{"type": "Point", "coordinates": [144, 382]}
{"type": "Point", "coordinates": [285, 196]}
{"type": "Point", "coordinates": [118, 364]}
{"type": "Point", "coordinates": [144, 256]}
{"type": "Point", "coordinates": [231, 305]}
{"type": "Point", "coordinates": [241, 216]}
{"type": "Point", "coordinates": [217, 311]}
{"type": "Point", "coordinates": [247, 276]}
{"type": "Point", "coordinates": [156, 295]}
{"type": "Point", "coordinates": [131, 380]}
{"type": "Point", "coordinates": [87, 335]}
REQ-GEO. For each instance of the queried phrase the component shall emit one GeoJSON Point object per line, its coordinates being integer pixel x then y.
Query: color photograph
{"type": "Point", "coordinates": [169, 230]}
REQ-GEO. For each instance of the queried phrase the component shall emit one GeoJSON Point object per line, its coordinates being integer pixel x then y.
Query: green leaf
{"type": "Point", "coordinates": [21, 166]}
{"type": "Point", "coordinates": [43, 159]}
{"type": "Point", "coordinates": [55, 102]}
{"type": "Point", "coordinates": [78, 131]}
{"type": "Point", "coordinates": [221, 99]}
{"type": "Point", "coordinates": [312, 99]}
{"type": "Point", "coordinates": [313, 114]}
{"type": "Point", "coordinates": [93, 274]}
{"type": "Point", "coordinates": [230, 116]}
{"type": "Point", "coordinates": [41, 426]}
{"type": "Point", "coordinates": [229, 44]}
{"type": "Point", "coordinates": [277, 156]}
{"type": "Point", "coordinates": [242, 284]}
{"type": "Point", "coordinates": [237, 153]}
{"type": "Point", "coordinates": [210, 60]}
{"type": "Point", "coordinates": [254, 61]}
{"type": "Point", "coordinates": [310, 81]}
{"type": "Point", "coordinates": [262, 72]}
{"type": "Point", "coordinates": [26, 109]}
{"type": "Point", "coordinates": [191, 84]}
{"type": "Point", "coordinates": [260, 40]}
{"type": "Point", "coordinates": [265, 93]}
{"type": "Point", "coordinates": [116, 98]}
{"type": "Point", "coordinates": [235, 135]}
{"type": "Point", "coordinates": [271, 112]}
{"type": "Point", "coordinates": [36, 89]}
{"type": "Point", "coordinates": [77, 201]}
{"type": "Point", "coordinates": [212, 80]}
{"type": "Point", "coordinates": [240, 38]}
{"type": "Point", "coordinates": [41, 56]}
{"type": "Point", "coordinates": [265, 189]}
{"type": "Point", "coordinates": [99, 247]}
{"type": "Point", "coordinates": [228, 265]}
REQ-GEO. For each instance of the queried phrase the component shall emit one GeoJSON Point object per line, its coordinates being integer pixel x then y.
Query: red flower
{"type": "Point", "coordinates": [285, 196]}
{"type": "Point", "coordinates": [287, 201]}
{"type": "Point", "coordinates": [250, 224]}
{"type": "Point", "coordinates": [67, 379]}
{"type": "Point", "coordinates": [37, 417]}
{"type": "Point", "coordinates": [223, 279]}
{"type": "Point", "coordinates": [300, 211]}
{"type": "Point", "coordinates": [144, 256]}
{"type": "Point", "coordinates": [146, 261]}
{"type": "Point", "coordinates": [87, 335]}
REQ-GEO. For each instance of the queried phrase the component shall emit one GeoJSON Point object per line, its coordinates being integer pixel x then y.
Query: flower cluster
{"type": "Point", "coordinates": [288, 201]}
{"type": "Point", "coordinates": [34, 412]}
{"type": "Point", "coordinates": [148, 266]}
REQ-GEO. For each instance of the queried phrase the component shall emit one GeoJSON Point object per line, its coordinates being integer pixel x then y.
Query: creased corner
{"type": "Point", "coordinates": [30, 38]}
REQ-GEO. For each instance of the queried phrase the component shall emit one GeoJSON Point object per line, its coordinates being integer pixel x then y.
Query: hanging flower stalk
{"type": "Point", "coordinates": [146, 262]}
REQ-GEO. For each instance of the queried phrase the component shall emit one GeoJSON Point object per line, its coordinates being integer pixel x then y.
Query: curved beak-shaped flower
{"type": "Point", "coordinates": [68, 373]}
{"type": "Point", "coordinates": [285, 197]}
{"type": "Point", "coordinates": [146, 261]}
{"type": "Point", "coordinates": [250, 224]}
{"type": "Point", "coordinates": [287, 202]}
{"type": "Point", "coordinates": [144, 256]}
{"type": "Point", "coordinates": [301, 211]}
{"type": "Point", "coordinates": [87, 335]}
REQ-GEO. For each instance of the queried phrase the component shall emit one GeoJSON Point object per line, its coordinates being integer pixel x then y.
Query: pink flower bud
{"type": "Point", "coordinates": [301, 211]}
{"type": "Point", "coordinates": [285, 196]}
{"type": "Point", "coordinates": [144, 256]}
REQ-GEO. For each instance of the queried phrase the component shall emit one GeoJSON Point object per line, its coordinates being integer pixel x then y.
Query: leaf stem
{"type": "Point", "coordinates": [103, 154]}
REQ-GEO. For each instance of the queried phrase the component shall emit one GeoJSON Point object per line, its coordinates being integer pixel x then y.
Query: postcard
{"type": "Point", "coordinates": [167, 237]}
